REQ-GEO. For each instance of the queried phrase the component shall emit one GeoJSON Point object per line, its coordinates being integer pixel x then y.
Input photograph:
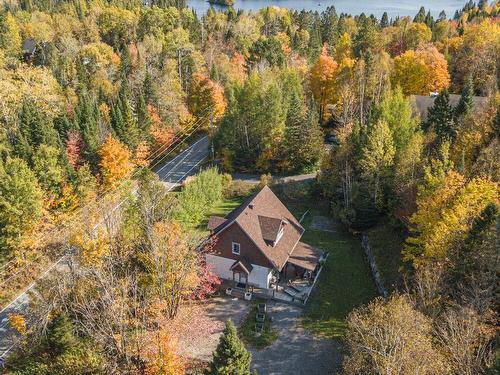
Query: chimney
{"type": "Point", "coordinates": [251, 206]}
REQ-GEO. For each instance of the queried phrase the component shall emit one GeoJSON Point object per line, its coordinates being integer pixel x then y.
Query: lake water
{"type": "Point", "coordinates": [393, 8]}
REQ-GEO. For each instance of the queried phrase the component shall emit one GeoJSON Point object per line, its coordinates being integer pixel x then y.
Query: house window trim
{"type": "Point", "coordinates": [232, 248]}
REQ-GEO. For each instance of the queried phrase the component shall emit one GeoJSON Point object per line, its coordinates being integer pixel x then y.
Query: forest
{"type": "Point", "coordinates": [95, 93]}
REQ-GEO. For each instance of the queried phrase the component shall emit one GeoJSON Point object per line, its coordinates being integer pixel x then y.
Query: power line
{"type": "Point", "coordinates": [192, 128]}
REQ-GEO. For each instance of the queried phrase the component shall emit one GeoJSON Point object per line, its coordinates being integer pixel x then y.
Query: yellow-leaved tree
{"type": "Point", "coordinates": [421, 71]}
{"type": "Point", "coordinates": [445, 214]}
{"type": "Point", "coordinates": [115, 162]}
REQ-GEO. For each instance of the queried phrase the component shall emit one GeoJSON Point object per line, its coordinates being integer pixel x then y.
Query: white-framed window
{"type": "Point", "coordinates": [235, 247]}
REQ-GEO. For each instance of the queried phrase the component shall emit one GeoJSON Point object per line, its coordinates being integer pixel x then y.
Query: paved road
{"type": "Point", "coordinates": [185, 164]}
{"type": "Point", "coordinates": [255, 179]}
{"type": "Point", "coordinates": [173, 172]}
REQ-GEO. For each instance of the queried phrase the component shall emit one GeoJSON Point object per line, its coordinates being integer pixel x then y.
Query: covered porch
{"type": "Point", "coordinates": [297, 278]}
{"type": "Point", "coordinates": [241, 269]}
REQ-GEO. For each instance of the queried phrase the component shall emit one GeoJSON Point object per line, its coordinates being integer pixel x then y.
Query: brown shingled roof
{"type": "Point", "coordinates": [270, 227]}
{"type": "Point", "coordinates": [305, 256]}
{"type": "Point", "coordinates": [215, 221]}
{"type": "Point", "coordinates": [265, 204]}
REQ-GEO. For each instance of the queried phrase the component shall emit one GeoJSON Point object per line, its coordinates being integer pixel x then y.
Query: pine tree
{"type": "Point", "coordinates": [35, 128]}
{"type": "Point", "coordinates": [130, 135]}
{"type": "Point", "coordinates": [441, 117]}
{"type": "Point", "coordinates": [429, 20]}
{"type": "Point", "coordinates": [420, 16]}
{"type": "Point", "coordinates": [125, 63]}
{"type": "Point", "coordinates": [384, 21]}
{"type": "Point", "coordinates": [143, 117]}
{"type": "Point", "coordinates": [86, 116]}
{"type": "Point", "coordinates": [302, 141]}
{"type": "Point", "coordinates": [230, 357]}
{"type": "Point", "coordinates": [466, 102]}
{"type": "Point", "coordinates": [149, 90]}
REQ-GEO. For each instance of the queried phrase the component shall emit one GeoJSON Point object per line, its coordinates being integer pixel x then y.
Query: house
{"type": "Point", "coordinates": [258, 244]}
{"type": "Point", "coordinates": [29, 49]}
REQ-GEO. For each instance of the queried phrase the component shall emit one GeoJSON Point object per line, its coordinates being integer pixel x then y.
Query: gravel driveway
{"type": "Point", "coordinates": [296, 351]}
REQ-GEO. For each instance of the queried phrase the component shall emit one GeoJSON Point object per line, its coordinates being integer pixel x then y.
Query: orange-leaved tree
{"type": "Point", "coordinates": [205, 99]}
{"type": "Point", "coordinates": [115, 162]}
{"type": "Point", "coordinates": [323, 76]}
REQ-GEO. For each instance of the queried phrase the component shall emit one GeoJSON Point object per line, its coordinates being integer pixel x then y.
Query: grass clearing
{"type": "Point", "coordinates": [387, 242]}
{"type": "Point", "coordinates": [345, 281]}
{"type": "Point", "coordinates": [257, 340]}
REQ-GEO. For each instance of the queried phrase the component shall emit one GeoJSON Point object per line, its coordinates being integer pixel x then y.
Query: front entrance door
{"type": "Point", "coordinates": [240, 279]}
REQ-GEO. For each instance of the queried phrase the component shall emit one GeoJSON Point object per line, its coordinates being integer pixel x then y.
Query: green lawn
{"type": "Point", "coordinates": [247, 330]}
{"type": "Point", "coordinates": [345, 281]}
{"type": "Point", "coordinates": [387, 242]}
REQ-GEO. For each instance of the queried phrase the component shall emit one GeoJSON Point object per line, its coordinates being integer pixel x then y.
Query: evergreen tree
{"type": "Point", "coordinates": [302, 140]}
{"type": "Point", "coordinates": [230, 357]}
{"type": "Point", "coordinates": [384, 21]}
{"type": "Point", "coordinates": [130, 135]}
{"type": "Point", "coordinates": [420, 16]}
{"type": "Point", "coordinates": [143, 117]}
{"type": "Point", "coordinates": [125, 62]}
{"type": "Point", "coordinates": [87, 122]}
{"type": "Point", "coordinates": [47, 166]}
{"type": "Point", "coordinates": [329, 22]}
{"type": "Point", "coordinates": [466, 102]}
{"type": "Point", "coordinates": [117, 125]}
{"type": "Point", "coordinates": [441, 118]}
{"type": "Point", "coordinates": [429, 20]}
{"type": "Point", "coordinates": [34, 129]}
{"type": "Point", "coordinates": [149, 90]}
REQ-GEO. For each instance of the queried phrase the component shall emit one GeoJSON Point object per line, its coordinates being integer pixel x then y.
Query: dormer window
{"type": "Point", "coordinates": [236, 248]}
{"type": "Point", "coordinates": [280, 234]}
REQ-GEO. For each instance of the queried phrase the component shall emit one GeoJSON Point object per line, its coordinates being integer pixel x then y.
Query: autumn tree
{"type": "Point", "coordinates": [447, 207]}
{"type": "Point", "coordinates": [391, 337]}
{"type": "Point", "coordinates": [48, 168]}
{"type": "Point", "coordinates": [323, 76]}
{"type": "Point", "coordinates": [20, 201]}
{"type": "Point", "coordinates": [10, 36]}
{"type": "Point", "coordinates": [74, 149]}
{"type": "Point", "coordinates": [230, 357]}
{"type": "Point", "coordinates": [421, 71]}
{"type": "Point", "coordinates": [378, 156]}
{"type": "Point", "coordinates": [115, 162]}
{"type": "Point", "coordinates": [163, 360]}
{"type": "Point", "coordinates": [206, 99]}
